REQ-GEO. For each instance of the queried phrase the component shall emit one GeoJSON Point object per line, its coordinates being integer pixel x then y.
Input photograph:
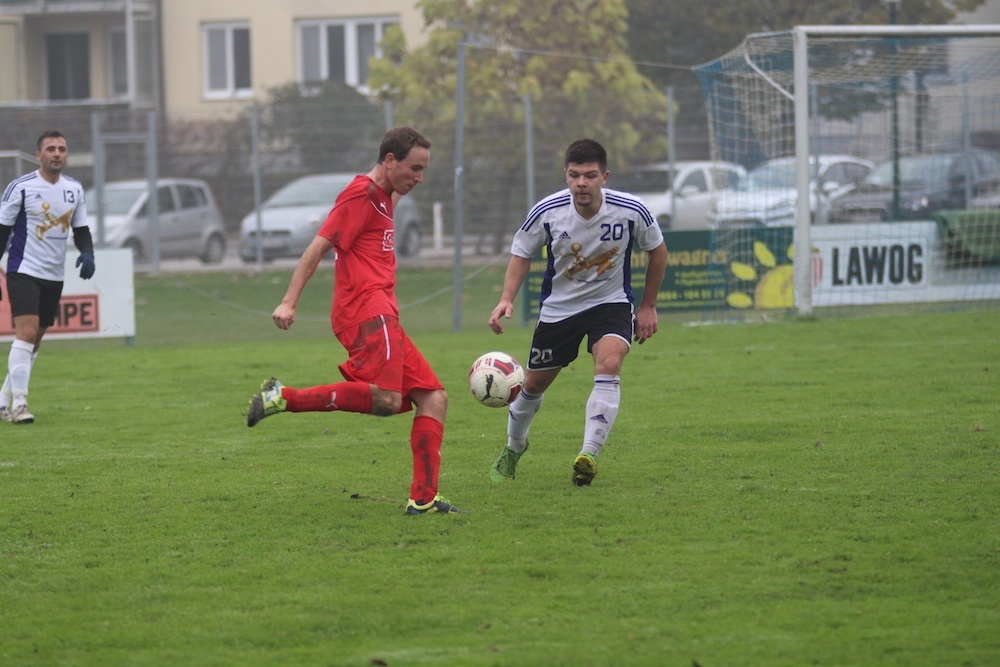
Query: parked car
{"type": "Point", "coordinates": [986, 194]}
{"type": "Point", "coordinates": [189, 223]}
{"type": "Point", "coordinates": [697, 182]}
{"type": "Point", "coordinates": [290, 218]}
{"type": "Point", "coordinates": [767, 196]}
{"type": "Point", "coordinates": [927, 183]}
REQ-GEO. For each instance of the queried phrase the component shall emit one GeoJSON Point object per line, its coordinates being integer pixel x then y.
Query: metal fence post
{"type": "Point", "coordinates": [152, 174]}
{"type": "Point", "coordinates": [97, 143]}
{"type": "Point", "coordinates": [255, 167]}
{"type": "Point", "coordinates": [459, 166]}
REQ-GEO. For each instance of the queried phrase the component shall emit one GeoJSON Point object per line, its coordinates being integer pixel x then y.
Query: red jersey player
{"type": "Point", "coordinates": [385, 373]}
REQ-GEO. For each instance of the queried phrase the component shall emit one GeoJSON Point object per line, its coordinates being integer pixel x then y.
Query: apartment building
{"type": "Point", "coordinates": [201, 56]}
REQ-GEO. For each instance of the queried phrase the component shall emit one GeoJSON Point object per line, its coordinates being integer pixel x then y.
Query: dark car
{"type": "Point", "coordinates": [927, 183]}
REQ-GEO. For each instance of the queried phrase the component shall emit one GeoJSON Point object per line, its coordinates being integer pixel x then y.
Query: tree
{"type": "Point", "coordinates": [686, 33]}
{"type": "Point", "coordinates": [667, 39]}
{"type": "Point", "coordinates": [570, 57]}
{"type": "Point", "coordinates": [329, 127]}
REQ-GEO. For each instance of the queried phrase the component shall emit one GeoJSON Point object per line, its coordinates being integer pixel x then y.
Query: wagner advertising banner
{"type": "Point", "coordinates": [851, 264]}
{"type": "Point", "coordinates": [102, 307]}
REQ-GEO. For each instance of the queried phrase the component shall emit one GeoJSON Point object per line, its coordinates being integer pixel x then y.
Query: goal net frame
{"type": "Point", "coordinates": [800, 55]}
{"type": "Point", "coordinates": [786, 57]}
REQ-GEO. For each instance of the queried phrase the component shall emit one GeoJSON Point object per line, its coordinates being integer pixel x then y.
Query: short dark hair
{"type": "Point", "coordinates": [48, 134]}
{"type": "Point", "coordinates": [399, 141]}
{"type": "Point", "coordinates": [583, 151]}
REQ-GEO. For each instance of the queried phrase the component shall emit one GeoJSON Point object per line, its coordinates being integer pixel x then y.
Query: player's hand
{"type": "Point", "coordinates": [645, 324]}
{"type": "Point", "coordinates": [86, 263]}
{"type": "Point", "coordinates": [283, 316]}
{"type": "Point", "coordinates": [504, 310]}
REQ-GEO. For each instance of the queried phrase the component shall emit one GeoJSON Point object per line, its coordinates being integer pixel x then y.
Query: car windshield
{"type": "Point", "coordinates": [117, 200]}
{"type": "Point", "coordinates": [918, 170]}
{"type": "Point", "coordinates": [309, 192]}
{"type": "Point", "coordinates": [641, 180]}
{"type": "Point", "coordinates": [772, 175]}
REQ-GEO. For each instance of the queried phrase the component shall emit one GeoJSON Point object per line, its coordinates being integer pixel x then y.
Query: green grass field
{"type": "Point", "coordinates": [802, 492]}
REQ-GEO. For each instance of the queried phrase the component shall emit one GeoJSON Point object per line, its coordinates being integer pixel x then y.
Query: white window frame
{"type": "Point", "coordinates": [230, 90]}
{"type": "Point", "coordinates": [352, 64]}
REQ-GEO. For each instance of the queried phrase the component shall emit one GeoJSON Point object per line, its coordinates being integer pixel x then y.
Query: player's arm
{"type": "Point", "coordinates": [284, 314]}
{"type": "Point", "coordinates": [645, 317]}
{"type": "Point", "coordinates": [9, 208]}
{"type": "Point", "coordinates": [85, 244]}
{"type": "Point", "coordinates": [83, 240]}
{"type": "Point", "coordinates": [517, 271]}
{"type": "Point", "coordinates": [4, 236]}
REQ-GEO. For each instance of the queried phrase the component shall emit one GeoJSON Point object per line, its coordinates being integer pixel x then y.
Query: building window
{"type": "Point", "coordinates": [339, 50]}
{"type": "Point", "coordinates": [227, 60]}
{"type": "Point", "coordinates": [117, 63]}
{"type": "Point", "coordinates": [68, 60]}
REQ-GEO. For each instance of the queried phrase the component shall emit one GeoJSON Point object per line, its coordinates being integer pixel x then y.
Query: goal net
{"type": "Point", "coordinates": [873, 158]}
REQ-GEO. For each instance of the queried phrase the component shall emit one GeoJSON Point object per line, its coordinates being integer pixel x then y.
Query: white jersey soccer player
{"type": "Point", "coordinates": [42, 215]}
{"type": "Point", "coordinates": [38, 211]}
{"type": "Point", "coordinates": [589, 234]}
{"type": "Point", "coordinates": [589, 261]}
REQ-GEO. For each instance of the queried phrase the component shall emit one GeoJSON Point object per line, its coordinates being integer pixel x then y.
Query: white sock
{"type": "Point", "coordinates": [602, 409]}
{"type": "Point", "coordinates": [5, 393]}
{"type": "Point", "coordinates": [19, 371]}
{"type": "Point", "coordinates": [522, 410]}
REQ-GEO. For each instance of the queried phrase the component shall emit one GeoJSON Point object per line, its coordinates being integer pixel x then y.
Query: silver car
{"type": "Point", "coordinates": [290, 218]}
{"type": "Point", "coordinates": [767, 197]}
{"type": "Point", "coordinates": [189, 223]}
{"type": "Point", "coordinates": [986, 194]}
{"type": "Point", "coordinates": [679, 202]}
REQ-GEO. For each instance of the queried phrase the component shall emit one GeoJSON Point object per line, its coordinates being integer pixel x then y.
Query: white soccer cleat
{"type": "Point", "coordinates": [21, 415]}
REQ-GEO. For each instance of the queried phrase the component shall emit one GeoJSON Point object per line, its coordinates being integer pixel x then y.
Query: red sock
{"type": "Point", "coordinates": [345, 396]}
{"type": "Point", "coordinates": [425, 442]}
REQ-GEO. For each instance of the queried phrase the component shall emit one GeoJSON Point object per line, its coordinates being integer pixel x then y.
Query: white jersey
{"type": "Point", "coordinates": [589, 262]}
{"type": "Point", "coordinates": [42, 215]}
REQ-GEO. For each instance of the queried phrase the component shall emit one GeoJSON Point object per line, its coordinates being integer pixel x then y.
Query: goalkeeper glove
{"type": "Point", "coordinates": [86, 263]}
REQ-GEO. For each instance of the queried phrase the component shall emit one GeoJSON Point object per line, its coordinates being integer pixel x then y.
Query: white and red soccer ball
{"type": "Point", "coordinates": [495, 379]}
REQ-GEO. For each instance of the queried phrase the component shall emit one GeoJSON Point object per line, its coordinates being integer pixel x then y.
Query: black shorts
{"type": "Point", "coordinates": [557, 344]}
{"type": "Point", "coordinates": [34, 296]}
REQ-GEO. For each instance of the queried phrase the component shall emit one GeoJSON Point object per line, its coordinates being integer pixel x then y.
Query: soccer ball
{"type": "Point", "coordinates": [495, 379]}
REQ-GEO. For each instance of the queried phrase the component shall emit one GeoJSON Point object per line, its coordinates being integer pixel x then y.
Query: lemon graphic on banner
{"type": "Point", "coordinates": [774, 289]}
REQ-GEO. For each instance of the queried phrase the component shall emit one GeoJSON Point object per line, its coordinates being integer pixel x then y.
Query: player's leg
{"type": "Point", "coordinates": [553, 347]}
{"type": "Point", "coordinates": [520, 413]}
{"type": "Point", "coordinates": [609, 336]}
{"type": "Point", "coordinates": [372, 380]}
{"type": "Point", "coordinates": [526, 404]}
{"type": "Point", "coordinates": [19, 373]}
{"type": "Point", "coordinates": [5, 398]}
{"type": "Point", "coordinates": [34, 304]}
{"type": "Point", "coordinates": [422, 387]}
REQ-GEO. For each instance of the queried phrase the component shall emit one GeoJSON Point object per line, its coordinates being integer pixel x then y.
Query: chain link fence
{"type": "Point", "coordinates": [513, 146]}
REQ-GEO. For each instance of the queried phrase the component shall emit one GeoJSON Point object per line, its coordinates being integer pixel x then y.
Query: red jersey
{"type": "Point", "coordinates": [360, 228]}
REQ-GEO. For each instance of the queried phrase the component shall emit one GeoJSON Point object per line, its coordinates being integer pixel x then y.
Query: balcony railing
{"type": "Point", "coordinates": [15, 7]}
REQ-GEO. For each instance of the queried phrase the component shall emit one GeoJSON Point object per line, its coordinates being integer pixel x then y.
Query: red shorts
{"type": "Point", "coordinates": [382, 354]}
